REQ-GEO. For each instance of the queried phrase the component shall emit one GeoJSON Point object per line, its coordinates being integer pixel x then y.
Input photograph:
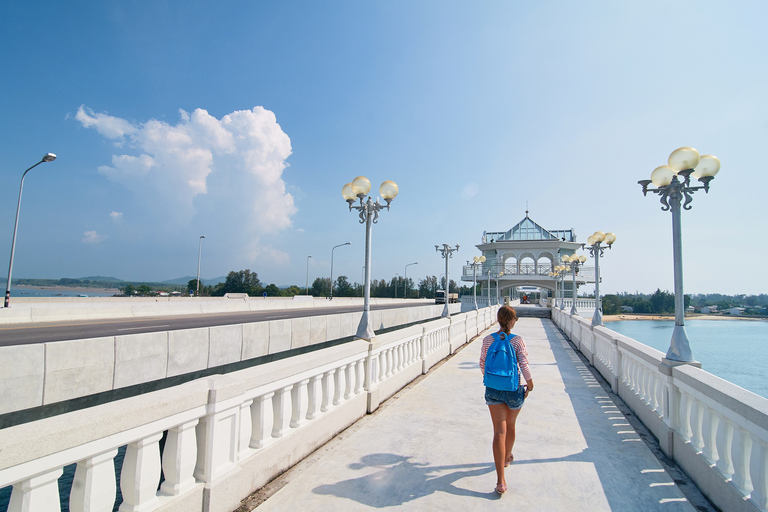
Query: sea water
{"type": "Point", "coordinates": [734, 350]}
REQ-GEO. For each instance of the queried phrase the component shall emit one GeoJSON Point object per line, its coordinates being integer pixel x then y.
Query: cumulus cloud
{"type": "Point", "coordinates": [116, 216]}
{"type": "Point", "coordinates": [92, 237]}
{"type": "Point", "coordinates": [203, 169]}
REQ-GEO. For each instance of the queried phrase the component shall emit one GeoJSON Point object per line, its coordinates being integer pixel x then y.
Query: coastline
{"type": "Point", "coordinates": [637, 316]}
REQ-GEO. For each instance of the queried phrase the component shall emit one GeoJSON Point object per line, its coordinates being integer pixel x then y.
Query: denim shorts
{"type": "Point", "coordinates": [513, 399]}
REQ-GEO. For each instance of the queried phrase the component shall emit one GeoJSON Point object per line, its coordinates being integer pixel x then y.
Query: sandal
{"type": "Point", "coordinates": [501, 489]}
{"type": "Point", "coordinates": [509, 461]}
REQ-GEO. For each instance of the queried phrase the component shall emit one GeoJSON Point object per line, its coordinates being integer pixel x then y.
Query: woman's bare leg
{"type": "Point", "coordinates": [509, 440]}
{"type": "Point", "coordinates": [499, 415]}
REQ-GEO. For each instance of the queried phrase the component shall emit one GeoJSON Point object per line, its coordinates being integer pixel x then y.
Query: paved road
{"type": "Point", "coordinates": [429, 448]}
{"type": "Point", "coordinates": [25, 334]}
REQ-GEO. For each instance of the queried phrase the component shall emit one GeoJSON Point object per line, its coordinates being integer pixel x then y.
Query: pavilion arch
{"type": "Point", "coordinates": [545, 263]}
{"type": "Point", "coordinates": [525, 267]}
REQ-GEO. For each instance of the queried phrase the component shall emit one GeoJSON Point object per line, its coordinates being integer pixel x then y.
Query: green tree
{"type": "Point", "coordinates": [272, 290]}
{"type": "Point", "coordinates": [144, 290]}
{"type": "Point", "coordinates": [321, 287]}
{"type": "Point", "coordinates": [192, 285]}
{"type": "Point", "coordinates": [343, 288]}
{"type": "Point", "coordinates": [129, 289]}
{"type": "Point", "coordinates": [611, 305]}
{"type": "Point", "coordinates": [242, 281]}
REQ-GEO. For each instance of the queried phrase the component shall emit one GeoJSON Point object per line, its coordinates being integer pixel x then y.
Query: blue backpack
{"type": "Point", "coordinates": [501, 365]}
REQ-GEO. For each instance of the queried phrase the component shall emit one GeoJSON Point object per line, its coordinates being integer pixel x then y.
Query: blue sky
{"type": "Point", "coordinates": [241, 121]}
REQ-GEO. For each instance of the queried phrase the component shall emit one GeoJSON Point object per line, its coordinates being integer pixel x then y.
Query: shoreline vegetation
{"type": "Point", "coordinates": [695, 316]}
{"type": "Point", "coordinates": [81, 289]}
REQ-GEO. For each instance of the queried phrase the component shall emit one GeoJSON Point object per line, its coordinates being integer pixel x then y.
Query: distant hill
{"type": "Point", "coordinates": [206, 282]}
{"type": "Point", "coordinates": [101, 278]}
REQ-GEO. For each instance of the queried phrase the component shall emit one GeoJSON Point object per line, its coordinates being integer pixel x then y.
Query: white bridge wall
{"type": "Point", "coordinates": [227, 435]}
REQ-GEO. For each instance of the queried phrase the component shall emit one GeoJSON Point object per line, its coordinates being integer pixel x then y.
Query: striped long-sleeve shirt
{"type": "Point", "coordinates": [520, 351]}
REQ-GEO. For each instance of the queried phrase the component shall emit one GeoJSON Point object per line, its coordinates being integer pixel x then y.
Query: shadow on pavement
{"type": "Point", "coordinates": [394, 480]}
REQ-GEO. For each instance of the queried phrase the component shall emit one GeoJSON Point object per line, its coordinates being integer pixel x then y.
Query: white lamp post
{"type": "Point", "coordinates": [447, 252]}
{"type": "Point", "coordinates": [575, 262]}
{"type": "Point", "coordinates": [477, 260]}
{"type": "Point", "coordinates": [49, 157]}
{"type": "Point", "coordinates": [406, 277]}
{"type": "Point", "coordinates": [369, 215]}
{"type": "Point", "coordinates": [199, 254]}
{"type": "Point", "coordinates": [673, 183]}
{"type": "Point", "coordinates": [307, 283]}
{"type": "Point", "coordinates": [489, 286]}
{"type": "Point", "coordinates": [334, 248]}
{"type": "Point", "coordinates": [596, 250]}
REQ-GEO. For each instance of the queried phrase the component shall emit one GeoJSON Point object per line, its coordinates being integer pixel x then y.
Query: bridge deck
{"type": "Point", "coordinates": [429, 448]}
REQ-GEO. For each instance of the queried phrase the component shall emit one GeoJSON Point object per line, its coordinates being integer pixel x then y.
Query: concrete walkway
{"type": "Point", "coordinates": [429, 448]}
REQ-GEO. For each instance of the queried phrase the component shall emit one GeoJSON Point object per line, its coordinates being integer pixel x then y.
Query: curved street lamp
{"type": "Point", "coordinates": [334, 248]}
{"type": "Point", "coordinates": [369, 215]}
{"type": "Point", "coordinates": [596, 250]}
{"type": "Point", "coordinates": [673, 183]}
{"type": "Point", "coordinates": [406, 277]}
{"type": "Point", "coordinates": [447, 252]}
{"type": "Point", "coordinates": [558, 274]}
{"type": "Point", "coordinates": [49, 157]}
{"type": "Point", "coordinates": [307, 283]}
{"type": "Point", "coordinates": [477, 260]}
{"type": "Point", "coordinates": [199, 254]}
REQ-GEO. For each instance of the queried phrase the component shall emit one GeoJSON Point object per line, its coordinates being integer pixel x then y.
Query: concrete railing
{"type": "Point", "coordinates": [47, 373]}
{"type": "Point", "coordinates": [715, 431]}
{"type": "Point", "coordinates": [225, 435]}
{"type": "Point", "coordinates": [58, 309]}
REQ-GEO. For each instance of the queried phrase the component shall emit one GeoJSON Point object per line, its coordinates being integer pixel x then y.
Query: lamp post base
{"type": "Point", "coordinates": [679, 347]}
{"type": "Point", "coordinates": [672, 363]}
{"type": "Point", "coordinates": [446, 313]}
{"type": "Point", "coordinates": [364, 329]}
{"type": "Point", "coordinates": [597, 318]}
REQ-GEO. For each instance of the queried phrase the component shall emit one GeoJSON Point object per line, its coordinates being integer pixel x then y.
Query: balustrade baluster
{"type": "Point", "coordinates": [349, 391]}
{"type": "Point", "coordinates": [685, 417]}
{"type": "Point", "coordinates": [759, 472]}
{"type": "Point", "coordinates": [327, 390]}
{"type": "Point", "coordinates": [313, 404]}
{"type": "Point", "coordinates": [359, 376]}
{"type": "Point", "coordinates": [390, 362]}
{"type": "Point", "coordinates": [94, 487]}
{"type": "Point", "coordinates": [280, 416]}
{"type": "Point", "coordinates": [141, 474]}
{"type": "Point", "coordinates": [742, 453]}
{"type": "Point", "coordinates": [37, 494]}
{"type": "Point", "coordinates": [179, 459]}
{"type": "Point", "coordinates": [710, 423]}
{"type": "Point", "coordinates": [338, 391]}
{"type": "Point", "coordinates": [697, 418]}
{"type": "Point", "coordinates": [725, 433]}
{"type": "Point", "coordinates": [246, 430]}
{"type": "Point", "coordinates": [260, 425]}
{"type": "Point", "coordinates": [298, 393]}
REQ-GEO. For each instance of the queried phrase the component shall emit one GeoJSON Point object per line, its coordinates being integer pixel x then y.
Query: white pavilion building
{"type": "Point", "coordinates": [520, 260]}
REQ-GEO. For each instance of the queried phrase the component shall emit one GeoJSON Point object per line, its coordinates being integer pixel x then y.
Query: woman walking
{"type": "Point", "coordinates": [505, 405]}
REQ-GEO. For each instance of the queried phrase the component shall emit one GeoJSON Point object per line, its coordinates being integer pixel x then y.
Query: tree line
{"type": "Point", "coordinates": [246, 281]}
{"type": "Point", "coordinates": [661, 302]}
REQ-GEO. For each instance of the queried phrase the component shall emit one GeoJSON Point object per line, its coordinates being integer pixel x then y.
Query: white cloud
{"type": "Point", "coordinates": [92, 237]}
{"type": "Point", "coordinates": [225, 173]}
{"type": "Point", "coordinates": [470, 191]}
{"type": "Point", "coordinates": [116, 216]}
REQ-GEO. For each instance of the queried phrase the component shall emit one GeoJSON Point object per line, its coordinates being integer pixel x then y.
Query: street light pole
{"type": "Point", "coordinates": [406, 277]}
{"type": "Point", "coordinates": [575, 262]}
{"type": "Point", "coordinates": [334, 248]}
{"type": "Point", "coordinates": [683, 163]}
{"type": "Point", "coordinates": [447, 252]}
{"type": "Point", "coordinates": [394, 280]}
{"type": "Point", "coordinates": [597, 250]}
{"type": "Point", "coordinates": [477, 260]}
{"type": "Point", "coordinates": [49, 157]}
{"type": "Point", "coordinates": [489, 287]}
{"type": "Point", "coordinates": [199, 254]}
{"type": "Point", "coordinates": [307, 283]}
{"type": "Point", "coordinates": [369, 215]}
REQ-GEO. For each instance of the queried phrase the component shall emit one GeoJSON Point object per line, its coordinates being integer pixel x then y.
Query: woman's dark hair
{"type": "Point", "coordinates": [506, 316]}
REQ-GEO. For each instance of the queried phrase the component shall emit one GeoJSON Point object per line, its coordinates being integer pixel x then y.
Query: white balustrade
{"type": "Point", "coordinates": [706, 423]}
{"type": "Point", "coordinates": [222, 422]}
